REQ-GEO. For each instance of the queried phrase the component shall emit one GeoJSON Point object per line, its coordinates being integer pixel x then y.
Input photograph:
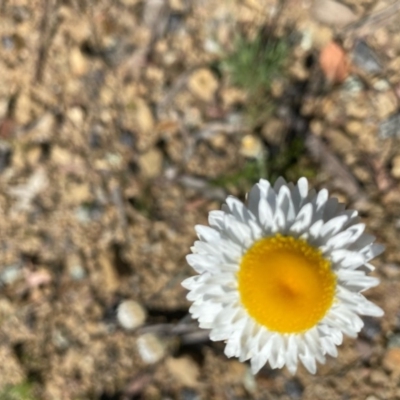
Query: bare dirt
{"type": "Point", "coordinates": [121, 127]}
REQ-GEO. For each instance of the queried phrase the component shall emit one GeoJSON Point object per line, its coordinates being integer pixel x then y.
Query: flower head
{"type": "Point", "coordinates": [280, 279]}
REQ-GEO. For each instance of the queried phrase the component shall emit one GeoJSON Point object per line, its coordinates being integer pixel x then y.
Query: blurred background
{"type": "Point", "coordinates": [122, 123]}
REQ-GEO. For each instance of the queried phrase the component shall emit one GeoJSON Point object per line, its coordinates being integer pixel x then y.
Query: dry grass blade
{"type": "Point", "coordinates": [344, 180]}
{"type": "Point", "coordinates": [371, 22]}
{"type": "Point", "coordinates": [48, 27]}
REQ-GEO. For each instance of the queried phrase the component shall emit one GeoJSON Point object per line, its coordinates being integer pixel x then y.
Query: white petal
{"type": "Point", "coordinates": [311, 338]}
{"type": "Point", "coordinates": [358, 303]}
{"type": "Point", "coordinates": [302, 185]}
{"type": "Point", "coordinates": [246, 340]}
{"type": "Point", "coordinates": [329, 346]}
{"type": "Point", "coordinates": [192, 282]}
{"type": "Point", "coordinates": [357, 279]}
{"type": "Point", "coordinates": [225, 321]}
{"type": "Point", "coordinates": [241, 214]}
{"type": "Point", "coordinates": [276, 358]}
{"type": "Point", "coordinates": [347, 259]}
{"type": "Point", "coordinates": [216, 219]}
{"type": "Point", "coordinates": [312, 234]}
{"type": "Point", "coordinates": [331, 208]}
{"type": "Point", "coordinates": [264, 185]}
{"type": "Point", "coordinates": [234, 344]}
{"type": "Point", "coordinates": [206, 233]}
{"type": "Point", "coordinates": [258, 361]}
{"type": "Point", "coordinates": [240, 233]}
{"type": "Point", "coordinates": [268, 193]}
{"type": "Point", "coordinates": [303, 220]}
{"type": "Point", "coordinates": [366, 307]}
{"type": "Point", "coordinates": [308, 361]}
{"type": "Point", "coordinates": [292, 354]}
{"type": "Point", "coordinates": [333, 332]}
{"type": "Point", "coordinates": [279, 222]}
{"type": "Point", "coordinates": [227, 253]}
{"type": "Point", "coordinates": [284, 202]}
{"type": "Point", "coordinates": [344, 239]}
{"type": "Point", "coordinates": [279, 183]}
{"type": "Point", "coordinates": [266, 216]}
{"type": "Point", "coordinates": [365, 240]}
{"type": "Point", "coordinates": [372, 251]}
{"type": "Point", "coordinates": [201, 263]}
{"type": "Point", "coordinates": [343, 318]}
{"type": "Point", "coordinates": [204, 310]}
{"type": "Point", "coordinates": [253, 200]}
{"type": "Point", "coordinates": [333, 226]}
{"type": "Point", "coordinates": [321, 199]}
{"type": "Point", "coordinates": [239, 210]}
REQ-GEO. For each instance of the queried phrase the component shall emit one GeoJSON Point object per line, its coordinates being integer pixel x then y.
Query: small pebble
{"type": "Point", "coordinates": [396, 167]}
{"type": "Point", "coordinates": [151, 163]}
{"type": "Point", "coordinates": [378, 377]}
{"type": "Point", "coordinates": [82, 214]}
{"type": "Point", "coordinates": [10, 274]}
{"type": "Point", "coordinates": [391, 271]}
{"type": "Point", "coordinates": [381, 85]}
{"type": "Point", "coordinates": [77, 272]}
{"type": "Point", "coordinates": [60, 340]}
{"type": "Point", "coordinates": [391, 360]}
{"type": "Point", "coordinates": [390, 127]}
{"type": "Point", "coordinates": [95, 136]}
{"type": "Point", "coordinates": [113, 159]}
{"type": "Point", "coordinates": [184, 370]}
{"type": "Point", "coordinates": [150, 348]}
{"type": "Point", "coordinates": [74, 267]}
{"type": "Point", "coordinates": [394, 341]}
{"type": "Point", "coordinates": [126, 138]}
{"type": "Point", "coordinates": [175, 22]}
{"type": "Point", "coordinates": [294, 388]}
{"type": "Point", "coordinates": [365, 58]}
{"type": "Point", "coordinates": [203, 84]}
{"type": "Point", "coordinates": [86, 213]}
{"type": "Point", "coordinates": [372, 328]}
{"type": "Point", "coordinates": [7, 42]}
{"type": "Point", "coordinates": [353, 85]}
{"type": "Point", "coordinates": [189, 394]}
{"type": "Point", "coordinates": [131, 315]}
{"type": "Point", "coordinates": [397, 322]}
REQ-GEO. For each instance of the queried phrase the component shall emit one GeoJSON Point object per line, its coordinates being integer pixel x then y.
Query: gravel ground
{"type": "Point", "coordinates": [122, 123]}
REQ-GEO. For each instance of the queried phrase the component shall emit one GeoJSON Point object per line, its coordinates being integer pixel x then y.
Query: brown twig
{"type": "Point", "coordinates": [189, 333]}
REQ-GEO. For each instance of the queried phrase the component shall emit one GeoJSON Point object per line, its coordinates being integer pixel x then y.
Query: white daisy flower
{"type": "Point", "coordinates": [280, 279]}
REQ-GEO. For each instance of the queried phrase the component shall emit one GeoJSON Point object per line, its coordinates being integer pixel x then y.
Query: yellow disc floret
{"type": "Point", "coordinates": [285, 284]}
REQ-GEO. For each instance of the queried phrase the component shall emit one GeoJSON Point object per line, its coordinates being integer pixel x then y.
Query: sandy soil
{"type": "Point", "coordinates": [121, 126]}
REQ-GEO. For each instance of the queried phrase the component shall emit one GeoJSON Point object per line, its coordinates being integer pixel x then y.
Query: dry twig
{"type": "Point", "coordinates": [344, 179]}
{"type": "Point", "coordinates": [371, 22]}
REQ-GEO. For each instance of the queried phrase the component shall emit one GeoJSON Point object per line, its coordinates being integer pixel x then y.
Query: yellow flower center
{"type": "Point", "coordinates": [285, 284]}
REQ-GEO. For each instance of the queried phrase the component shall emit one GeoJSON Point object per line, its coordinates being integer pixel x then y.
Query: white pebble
{"type": "Point", "coordinates": [131, 314]}
{"type": "Point", "coordinates": [150, 348]}
{"type": "Point", "coordinates": [10, 274]}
